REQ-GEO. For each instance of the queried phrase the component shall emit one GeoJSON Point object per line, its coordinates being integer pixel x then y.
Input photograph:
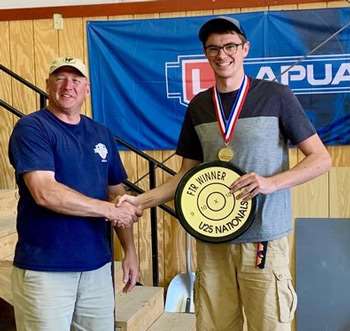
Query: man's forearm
{"type": "Point", "coordinates": [316, 162]}
{"type": "Point", "coordinates": [126, 237]}
{"type": "Point", "coordinates": [310, 167]}
{"type": "Point", "coordinates": [53, 195]}
{"type": "Point", "coordinates": [65, 200]}
{"type": "Point", "coordinates": [159, 195]}
{"type": "Point", "coordinates": [162, 193]}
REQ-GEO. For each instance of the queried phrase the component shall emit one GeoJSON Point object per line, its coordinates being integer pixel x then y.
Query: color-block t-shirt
{"type": "Point", "coordinates": [270, 119]}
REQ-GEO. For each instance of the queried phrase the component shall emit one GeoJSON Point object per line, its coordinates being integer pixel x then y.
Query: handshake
{"type": "Point", "coordinates": [125, 212]}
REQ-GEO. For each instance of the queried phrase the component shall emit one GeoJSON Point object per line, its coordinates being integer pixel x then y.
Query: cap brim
{"type": "Point", "coordinates": [83, 73]}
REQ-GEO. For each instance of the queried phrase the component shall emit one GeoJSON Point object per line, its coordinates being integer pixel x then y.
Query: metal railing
{"type": "Point", "coordinates": [153, 164]}
{"type": "Point", "coordinates": [42, 94]}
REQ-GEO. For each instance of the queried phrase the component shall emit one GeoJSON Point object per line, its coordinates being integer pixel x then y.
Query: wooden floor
{"type": "Point", "coordinates": [7, 320]}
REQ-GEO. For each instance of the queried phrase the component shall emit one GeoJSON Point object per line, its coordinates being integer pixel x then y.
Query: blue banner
{"type": "Point", "coordinates": [144, 72]}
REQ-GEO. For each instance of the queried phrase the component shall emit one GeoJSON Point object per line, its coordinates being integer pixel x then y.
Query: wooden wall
{"type": "Point", "coordinates": [28, 46]}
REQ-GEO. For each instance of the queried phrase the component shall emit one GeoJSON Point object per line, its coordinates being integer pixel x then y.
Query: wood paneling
{"type": "Point", "coordinates": [311, 199]}
{"type": "Point", "coordinates": [45, 49]}
{"type": "Point", "coordinates": [339, 184]}
{"type": "Point", "coordinates": [336, 4]}
{"type": "Point", "coordinates": [129, 160]}
{"type": "Point", "coordinates": [279, 7]}
{"type": "Point", "coordinates": [340, 155]}
{"type": "Point", "coordinates": [144, 229]}
{"type": "Point", "coordinates": [6, 119]}
{"type": "Point", "coordinates": [313, 5]}
{"type": "Point", "coordinates": [174, 236]}
{"type": "Point", "coordinates": [225, 11]}
{"type": "Point", "coordinates": [254, 9]}
{"type": "Point", "coordinates": [22, 62]}
{"type": "Point", "coordinates": [71, 40]}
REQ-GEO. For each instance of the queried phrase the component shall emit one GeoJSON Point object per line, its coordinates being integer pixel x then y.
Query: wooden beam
{"type": "Point", "coordinates": [144, 7]}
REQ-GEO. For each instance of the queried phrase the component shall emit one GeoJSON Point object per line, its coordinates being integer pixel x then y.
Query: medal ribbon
{"type": "Point", "coordinates": [227, 126]}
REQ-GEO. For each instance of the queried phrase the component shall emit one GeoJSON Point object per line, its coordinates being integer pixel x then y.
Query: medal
{"type": "Point", "coordinates": [225, 154]}
{"type": "Point", "coordinates": [227, 125]}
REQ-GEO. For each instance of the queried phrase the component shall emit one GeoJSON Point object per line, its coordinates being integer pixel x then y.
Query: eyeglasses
{"type": "Point", "coordinates": [229, 49]}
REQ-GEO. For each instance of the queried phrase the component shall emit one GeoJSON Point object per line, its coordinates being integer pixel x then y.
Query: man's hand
{"type": "Point", "coordinates": [124, 215]}
{"type": "Point", "coordinates": [130, 199]}
{"type": "Point", "coordinates": [130, 270]}
{"type": "Point", "coordinates": [251, 185]}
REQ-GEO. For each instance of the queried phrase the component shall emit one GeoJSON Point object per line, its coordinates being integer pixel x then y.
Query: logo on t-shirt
{"type": "Point", "coordinates": [102, 151]}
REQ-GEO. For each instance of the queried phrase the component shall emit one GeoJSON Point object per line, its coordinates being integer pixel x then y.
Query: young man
{"type": "Point", "coordinates": [268, 116]}
{"type": "Point", "coordinates": [67, 168]}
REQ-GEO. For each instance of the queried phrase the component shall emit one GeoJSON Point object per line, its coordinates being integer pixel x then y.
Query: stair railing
{"type": "Point", "coordinates": [42, 94]}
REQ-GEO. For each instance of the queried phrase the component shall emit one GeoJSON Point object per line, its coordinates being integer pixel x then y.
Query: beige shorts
{"type": "Point", "coordinates": [63, 301]}
{"type": "Point", "coordinates": [228, 281]}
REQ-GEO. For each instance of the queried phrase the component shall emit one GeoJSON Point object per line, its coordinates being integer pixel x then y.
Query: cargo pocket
{"type": "Point", "coordinates": [286, 296]}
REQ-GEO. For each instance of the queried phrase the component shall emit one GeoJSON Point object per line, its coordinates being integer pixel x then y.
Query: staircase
{"type": "Point", "coordinates": [139, 310]}
{"type": "Point", "coordinates": [143, 309]}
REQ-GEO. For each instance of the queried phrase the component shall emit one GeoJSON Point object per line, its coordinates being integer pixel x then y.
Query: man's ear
{"type": "Point", "coordinates": [246, 48]}
{"type": "Point", "coordinates": [205, 53]}
{"type": "Point", "coordinates": [88, 89]}
{"type": "Point", "coordinates": [47, 85]}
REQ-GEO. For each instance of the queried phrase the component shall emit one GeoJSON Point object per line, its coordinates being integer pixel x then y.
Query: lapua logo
{"type": "Point", "coordinates": [319, 74]}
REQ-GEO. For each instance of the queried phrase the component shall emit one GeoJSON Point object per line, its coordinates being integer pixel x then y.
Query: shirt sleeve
{"type": "Point", "coordinates": [30, 148]}
{"type": "Point", "coordinates": [295, 124]}
{"type": "Point", "coordinates": [188, 145]}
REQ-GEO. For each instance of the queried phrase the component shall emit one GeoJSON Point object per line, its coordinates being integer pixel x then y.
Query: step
{"type": "Point", "coordinates": [140, 308]}
{"type": "Point", "coordinates": [8, 236]}
{"type": "Point", "coordinates": [7, 225]}
{"type": "Point", "coordinates": [175, 322]}
{"type": "Point", "coordinates": [7, 246]}
{"type": "Point", "coordinates": [5, 281]}
{"type": "Point", "coordinates": [8, 203]}
{"type": "Point", "coordinates": [8, 211]}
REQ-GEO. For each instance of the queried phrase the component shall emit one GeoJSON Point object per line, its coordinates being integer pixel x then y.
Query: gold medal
{"type": "Point", "coordinates": [225, 154]}
{"type": "Point", "coordinates": [227, 124]}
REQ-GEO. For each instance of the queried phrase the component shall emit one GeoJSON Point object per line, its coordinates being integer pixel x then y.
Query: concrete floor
{"type": "Point", "coordinates": [7, 320]}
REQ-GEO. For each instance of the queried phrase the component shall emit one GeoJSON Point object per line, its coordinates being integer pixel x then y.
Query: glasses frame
{"type": "Point", "coordinates": [217, 49]}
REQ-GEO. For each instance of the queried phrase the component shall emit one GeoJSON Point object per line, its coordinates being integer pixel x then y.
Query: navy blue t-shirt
{"type": "Point", "coordinates": [83, 157]}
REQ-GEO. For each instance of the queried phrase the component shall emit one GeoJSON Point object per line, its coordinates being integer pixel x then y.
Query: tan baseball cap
{"type": "Point", "coordinates": [68, 62]}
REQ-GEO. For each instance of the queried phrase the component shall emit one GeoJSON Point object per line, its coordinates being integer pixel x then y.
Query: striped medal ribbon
{"type": "Point", "coordinates": [227, 125]}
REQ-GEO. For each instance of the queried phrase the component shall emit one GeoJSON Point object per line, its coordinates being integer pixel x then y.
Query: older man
{"type": "Point", "coordinates": [67, 168]}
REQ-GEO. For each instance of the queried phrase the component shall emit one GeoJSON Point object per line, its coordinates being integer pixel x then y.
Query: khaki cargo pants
{"type": "Point", "coordinates": [228, 281]}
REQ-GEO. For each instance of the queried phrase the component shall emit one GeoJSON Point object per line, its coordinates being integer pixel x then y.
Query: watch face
{"type": "Point", "coordinates": [205, 206]}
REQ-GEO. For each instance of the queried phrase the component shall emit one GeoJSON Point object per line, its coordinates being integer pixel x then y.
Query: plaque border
{"type": "Point", "coordinates": [178, 193]}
